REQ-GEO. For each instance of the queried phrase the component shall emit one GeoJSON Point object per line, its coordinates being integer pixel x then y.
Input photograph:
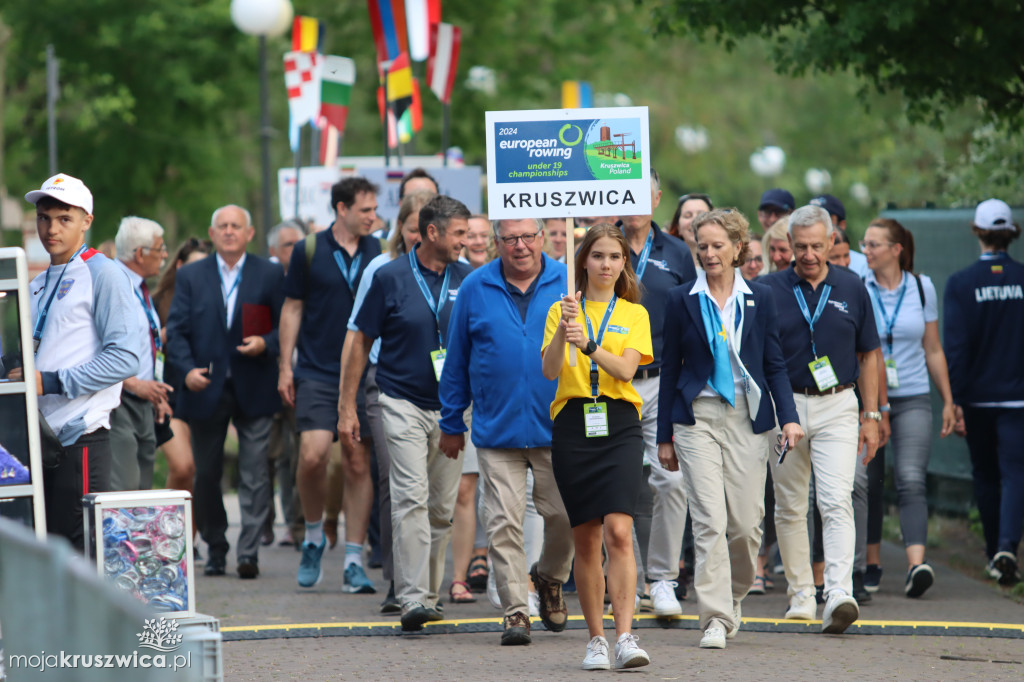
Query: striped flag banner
{"type": "Point", "coordinates": [411, 121]}
{"type": "Point", "coordinates": [418, 23]}
{"type": "Point", "coordinates": [337, 78]}
{"type": "Point", "coordinates": [434, 11]}
{"type": "Point", "coordinates": [392, 123]}
{"type": "Point", "coordinates": [390, 35]}
{"type": "Point", "coordinates": [445, 41]}
{"type": "Point", "coordinates": [307, 34]}
{"type": "Point", "coordinates": [577, 95]}
{"type": "Point", "coordinates": [328, 143]}
{"type": "Point", "coordinates": [400, 84]}
{"type": "Point", "coordinates": [302, 78]}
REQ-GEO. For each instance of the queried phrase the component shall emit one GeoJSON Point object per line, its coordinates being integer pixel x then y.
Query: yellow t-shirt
{"type": "Point", "coordinates": [629, 327]}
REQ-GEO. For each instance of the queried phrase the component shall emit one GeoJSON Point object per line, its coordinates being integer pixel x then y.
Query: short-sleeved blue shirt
{"type": "Point", "coordinates": [846, 326]}
{"type": "Point", "coordinates": [668, 265]}
{"type": "Point", "coordinates": [326, 302]}
{"type": "Point", "coordinates": [396, 311]}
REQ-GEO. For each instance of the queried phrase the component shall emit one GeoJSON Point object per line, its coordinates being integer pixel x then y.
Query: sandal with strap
{"type": "Point", "coordinates": [464, 596]}
{"type": "Point", "coordinates": [476, 574]}
{"type": "Point", "coordinates": [758, 587]}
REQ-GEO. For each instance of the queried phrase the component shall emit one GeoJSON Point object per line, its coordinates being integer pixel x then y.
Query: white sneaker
{"type": "Point", "coordinates": [492, 588]}
{"type": "Point", "coordinates": [840, 611]}
{"type": "Point", "coordinates": [714, 636]}
{"type": "Point", "coordinates": [663, 594]}
{"type": "Point", "coordinates": [802, 606]}
{"type": "Point", "coordinates": [737, 618]}
{"type": "Point", "coordinates": [628, 654]}
{"type": "Point", "coordinates": [597, 655]}
{"type": "Point", "coordinates": [534, 603]}
{"type": "Point", "coordinates": [636, 607]}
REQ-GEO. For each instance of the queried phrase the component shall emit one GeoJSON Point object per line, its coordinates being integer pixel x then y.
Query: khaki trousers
{"type": "Point", "coordinates": [424, 486]}
{"type": "Point", "coordinates": [503, 472]}
{"type": "Point", "coordinates": [723, 466]}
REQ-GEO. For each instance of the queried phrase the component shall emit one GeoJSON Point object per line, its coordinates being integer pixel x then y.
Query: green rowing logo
{"type": "Point", "coordinates": [565, 128]}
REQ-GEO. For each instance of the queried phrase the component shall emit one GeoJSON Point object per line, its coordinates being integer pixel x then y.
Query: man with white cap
{"type": "Point", "coordinates": [85, 332]}
{"type": "Point", "coordinates": [984, 328]}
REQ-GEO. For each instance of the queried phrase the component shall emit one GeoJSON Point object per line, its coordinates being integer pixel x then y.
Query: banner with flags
{"type": "Point", "coordinates": [302, 78]}
{"type": "Point", "coordinates": [390, 35]}
{"type": "Point", "coordinates": [400, 84]}
{"type": "Point", "coordinates": [445, 41]}
{"type": "Point", "coordinates": [577, 95]}
{"type": "Point", "coordinates": [307, 34]}
{"type": "Point", "coordinates": [337, 78]}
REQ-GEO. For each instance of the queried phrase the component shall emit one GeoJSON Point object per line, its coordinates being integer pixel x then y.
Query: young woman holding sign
{"type": "Point", "coordinates": [596, 445]}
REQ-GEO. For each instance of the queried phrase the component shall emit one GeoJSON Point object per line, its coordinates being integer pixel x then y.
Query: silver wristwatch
{"type": "Point", "coordinates": [877, 416]}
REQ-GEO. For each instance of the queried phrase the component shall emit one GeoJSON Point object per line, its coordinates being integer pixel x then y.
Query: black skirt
{"type": "Point", "coordinates": [597, 476]}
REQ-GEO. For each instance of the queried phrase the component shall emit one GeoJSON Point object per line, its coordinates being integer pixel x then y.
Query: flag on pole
{"type": "Point", "coordinates": [434, 11]}
{"type": "Point", "coordinates": [387, 20]}
{"type": "Point", "coordinates": [399, 84]}
{"type": "Point", "coordinates": [577, 95]}
{"type": "Point", "coordinates": [445, 41]}
{"type": "Point", "coordinates": [418, 23]}
{"type": "Point", "coordinates": [337, 78]}
{"type": "Point", "coordinates": [328, 143]}
{"type": "Point", "coordinates": [302, 78]}
{"type": "Point", "coordinates": [307, 34]}
{"type": "Point", "coordinates": [388, 115]}
{"type": "Point", "coordinates": [411, 121]}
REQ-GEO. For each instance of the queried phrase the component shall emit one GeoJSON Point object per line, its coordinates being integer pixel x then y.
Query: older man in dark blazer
{"type": "Point", "coordinates": [222, 335]}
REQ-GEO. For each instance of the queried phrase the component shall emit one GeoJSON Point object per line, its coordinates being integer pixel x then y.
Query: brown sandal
{"type": "Point", "coordinates": [464, 596]}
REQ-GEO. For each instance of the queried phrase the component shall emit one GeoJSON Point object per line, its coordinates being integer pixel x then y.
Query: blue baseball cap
{"type": "Point", "coordinates": [777, 198]}
{"type": "Point", "coordinates": [830, 204]}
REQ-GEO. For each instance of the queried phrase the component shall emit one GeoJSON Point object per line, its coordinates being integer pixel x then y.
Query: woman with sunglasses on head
{"type": "Point", "coordinates": [688, 208]}
{"type": "Point", "coordinates": [906, 313]}
{"type": "Point", "coordinates": [597, 446]}
{"type": "Point", "coordinates": [723, 368]}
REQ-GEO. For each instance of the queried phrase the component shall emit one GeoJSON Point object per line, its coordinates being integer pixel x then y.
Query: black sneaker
{"type": "Point", "coordinates": [873, 578]}
{"type": "Point", "coordinates": [1006, 564]}
{"type": "Point", "coordinates": [415, 614]}
{"type": "Point", "coordinates": [390, 604]}
{"type": "Point", "coordinates": [859, 593]}
{"type": "Point", "coordinates": [919, 579]}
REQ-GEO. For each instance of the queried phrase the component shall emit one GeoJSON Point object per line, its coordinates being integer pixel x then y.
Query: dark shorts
{"type": "Point", "coordinates": [316, 407]}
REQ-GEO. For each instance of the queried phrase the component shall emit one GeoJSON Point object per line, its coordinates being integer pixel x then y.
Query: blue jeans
{"type": "Point", "coordinates": [995, 437]}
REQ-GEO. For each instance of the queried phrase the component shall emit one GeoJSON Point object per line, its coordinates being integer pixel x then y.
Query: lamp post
{"type": "Point", "coordinates": [263, 18]}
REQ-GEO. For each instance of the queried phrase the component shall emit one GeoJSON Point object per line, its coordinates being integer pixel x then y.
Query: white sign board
{"type": "Point", "coordinates": [459, 183]}
{"type": "Point", "coordinates": [568, 163]}
{"type": "Point", "coordinates": [314, 193]}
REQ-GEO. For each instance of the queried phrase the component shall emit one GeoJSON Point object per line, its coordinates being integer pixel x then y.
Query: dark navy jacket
{"type": "Point", "coordinates": [687, 361]}
{"type": "Point", "coordinates": [197, 335]}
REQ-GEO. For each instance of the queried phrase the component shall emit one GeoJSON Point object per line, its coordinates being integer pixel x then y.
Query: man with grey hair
{"type": "Point", "coordinates": [141, 253]}
{"type": "Point", "coordinates": [282, 239]}
{"type": "Point", "coordinates": [408, 307]}
{"type": "Point", "coordinates": [828, 334]}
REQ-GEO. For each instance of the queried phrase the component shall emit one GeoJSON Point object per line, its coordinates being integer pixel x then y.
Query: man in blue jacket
{"type": "Point", "coordinates": [495, 335]}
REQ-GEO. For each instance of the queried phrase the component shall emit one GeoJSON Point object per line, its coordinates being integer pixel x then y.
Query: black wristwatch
{"type": "Point", "coordinates": [591, 347]}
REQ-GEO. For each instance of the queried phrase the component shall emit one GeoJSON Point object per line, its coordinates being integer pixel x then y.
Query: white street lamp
{"type": "Point", "coordinates": [768, 161]}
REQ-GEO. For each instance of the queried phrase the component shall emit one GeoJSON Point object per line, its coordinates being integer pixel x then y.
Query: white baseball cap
{"type": "Point", "coordinates": [993, 214]}
{"type": "Point", "coordinates": [66, 189]}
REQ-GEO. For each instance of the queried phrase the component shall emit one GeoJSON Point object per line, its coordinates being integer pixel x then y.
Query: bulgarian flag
{"type": "Point", "coordinates": [337, 78]}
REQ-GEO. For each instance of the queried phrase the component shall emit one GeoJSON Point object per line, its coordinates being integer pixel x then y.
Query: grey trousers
{"type": "Point", "coordinates": [132, 444]}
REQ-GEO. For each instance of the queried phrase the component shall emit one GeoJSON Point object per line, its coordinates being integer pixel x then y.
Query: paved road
{"type": "Point", "coordinates": [343, 636]}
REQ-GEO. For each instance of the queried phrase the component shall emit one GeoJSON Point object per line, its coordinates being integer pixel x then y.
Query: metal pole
{"type": "Point", "coordinates": [298, 168]}
{"type": "Point", "coordinates": [51, 105]}
{"type": "Point", "coordinates": [265, 133]}
{"type": "Point", "coordinates": [387, 118]}
{"type": "Point", "coordinates": [314, 145]}
{"type": "Point", "coordinates": [446, 108]}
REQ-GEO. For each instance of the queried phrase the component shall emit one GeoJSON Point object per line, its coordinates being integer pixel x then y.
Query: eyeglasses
{"type": "Point", "coordinates": [755, 259]}
{"type": "Point", "coordinates": [864, 246]}
{"type": "Point", "coordinates": [162, 248]}
{"type": "Point", "coordinates": [527, 239]}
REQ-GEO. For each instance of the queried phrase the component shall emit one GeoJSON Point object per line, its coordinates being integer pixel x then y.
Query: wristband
{"type": "Point", "coordinates": [884, 409]}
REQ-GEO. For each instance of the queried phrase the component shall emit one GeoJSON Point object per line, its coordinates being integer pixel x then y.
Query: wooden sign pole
{"type": "Point", "coordinates": [570, 273]}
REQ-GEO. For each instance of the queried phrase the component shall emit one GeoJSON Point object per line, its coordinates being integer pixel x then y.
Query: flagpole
{"type": "Point", "coordinates": [298, 165]}
{"type": "Point", "coordinates": [387, 118]}
{"type": "Point", "coordinates": [570, 272]}
{"type": "Point", "coordinates": [446, 123]}
{"type": "Point", "coordinates": [314, 146]}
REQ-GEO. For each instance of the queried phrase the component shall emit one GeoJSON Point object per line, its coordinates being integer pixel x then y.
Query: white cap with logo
{"type": "Point", "coordinates": [993, 214]}
{"type": "Point", "coordinates": [66, 189]}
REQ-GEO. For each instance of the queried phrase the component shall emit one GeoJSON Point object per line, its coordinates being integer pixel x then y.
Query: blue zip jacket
{"type": "Point", "coordinates": [493, 361]}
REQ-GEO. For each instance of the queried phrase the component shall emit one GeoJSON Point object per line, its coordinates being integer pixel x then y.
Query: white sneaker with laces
{"type": "Point", "coordinates": [663, 594]}
{"type": "Point", "coordinates": [534, 604]}
{"type": "Point", "coordinates": [597, 655]}
{"type": "Point", "coordinates": [628, 654]}
{"type": "Point", "coordinates": [714, 636]}
{"type": "Point", "coordinates": [802, 606]}
{"type": "Point", "coordinates": [841, 611]}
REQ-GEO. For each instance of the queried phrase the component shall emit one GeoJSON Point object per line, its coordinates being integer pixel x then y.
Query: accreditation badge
{"type": "Point", "coordinates": [158, 367]}
{"type": "Point", "coordinates": [892, 377]}
{"type": "Point", "coordinates": [595, 419]}
{"type": "Point", "coordinates": [824, 375]}
{"type": "Point", "coordinates": [437, 360]}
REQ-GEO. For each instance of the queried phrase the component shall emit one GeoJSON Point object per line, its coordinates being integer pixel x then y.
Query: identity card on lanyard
{"type": "Point", "coordinates": [436, 356]}
{"type": "Point", "coordinates": [227, 293]}
{"type": "Point", "coordinates": [595, 414]}
{"type": "Point", "coordinates": [37, 333]}
{"type": "Point", "coordinates": [892, 377]}
{"type": "Point", "coordinates": [821, 368]}
{"type": "Point", "coordinates": [154, 335]}
{"type": "Point", "coordinates": [641, 264]}
{"type": "Point", "coordinates": [351, 271]}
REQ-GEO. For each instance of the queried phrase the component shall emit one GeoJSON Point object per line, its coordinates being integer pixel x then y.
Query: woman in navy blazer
{"type": "Point", "coordinates": [722, 369]}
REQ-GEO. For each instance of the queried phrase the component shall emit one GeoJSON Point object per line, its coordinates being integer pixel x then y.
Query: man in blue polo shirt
{"type": "Point", "coordinates": [828, 335]}
{"type": "Point", "coordinates": [319, 292]}
{"type": "Point", "coordinates": [496, 328]}
{"type": "Point", "coordinates": [836, 211]}
{"type": "Point", "coordinates": [408, 307]}
{"type": "Point", "coordinates": [661, 262]}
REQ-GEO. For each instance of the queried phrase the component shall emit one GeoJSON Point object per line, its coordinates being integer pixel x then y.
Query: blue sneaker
{"type": "Point", "coordinates": [310, 573]}
{"type": "Point", "coordinates": [872, 578]}
{"type": "Point", "coordinates": [356, 581]}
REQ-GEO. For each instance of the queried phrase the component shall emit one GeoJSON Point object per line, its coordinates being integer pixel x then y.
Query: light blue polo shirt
{"type": "Point", "coordinates": [907, 331]}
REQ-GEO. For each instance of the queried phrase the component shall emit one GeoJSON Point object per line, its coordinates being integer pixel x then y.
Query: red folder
{"type": "Point", "coordinates": [255, 320]}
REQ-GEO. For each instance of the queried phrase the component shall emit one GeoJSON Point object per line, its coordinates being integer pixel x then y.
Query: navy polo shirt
{"type": "Point", "coordinates": [669, 265]}
{"type": "Point", "coordinates": [396, 311]}
{"type": "Point", "coordinates": [521, 298]}
{"type": "Point", "coordinates": [846, 326]}
{"type": "Point", "coordinates": [326, 302]}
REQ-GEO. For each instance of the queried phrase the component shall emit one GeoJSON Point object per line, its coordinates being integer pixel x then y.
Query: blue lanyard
{"type": "Point", "coordinates": [890, 322]}
{"type": "Point", "coordinates": [154, 328]}
{"type": "Point", "coordinates": [224, 288]}
{"type": "Point", "coordinates": [598, 339]}
{"type": "Point", "coordinates": [351, 272]}
{"type": "Point", "coordinates": [37, 334]}
{"type": "Point", "coordinates": [435, 308]}
{"type": "Point", "coordinates": [641, 265]}
{"type": "Point", "coordinates": [825, 291]}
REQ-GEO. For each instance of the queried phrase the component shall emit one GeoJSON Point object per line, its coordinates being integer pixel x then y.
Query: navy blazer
{"type": "Point", "coordinates": [197, 335]}
{"type": "Point", "coordinates": [687, 361]}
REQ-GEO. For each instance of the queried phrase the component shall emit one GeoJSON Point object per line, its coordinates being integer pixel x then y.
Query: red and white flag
{"type": "Point", "coordinates": [445, 40]}
{"type": "Point", "coordinates": [302, 78]}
